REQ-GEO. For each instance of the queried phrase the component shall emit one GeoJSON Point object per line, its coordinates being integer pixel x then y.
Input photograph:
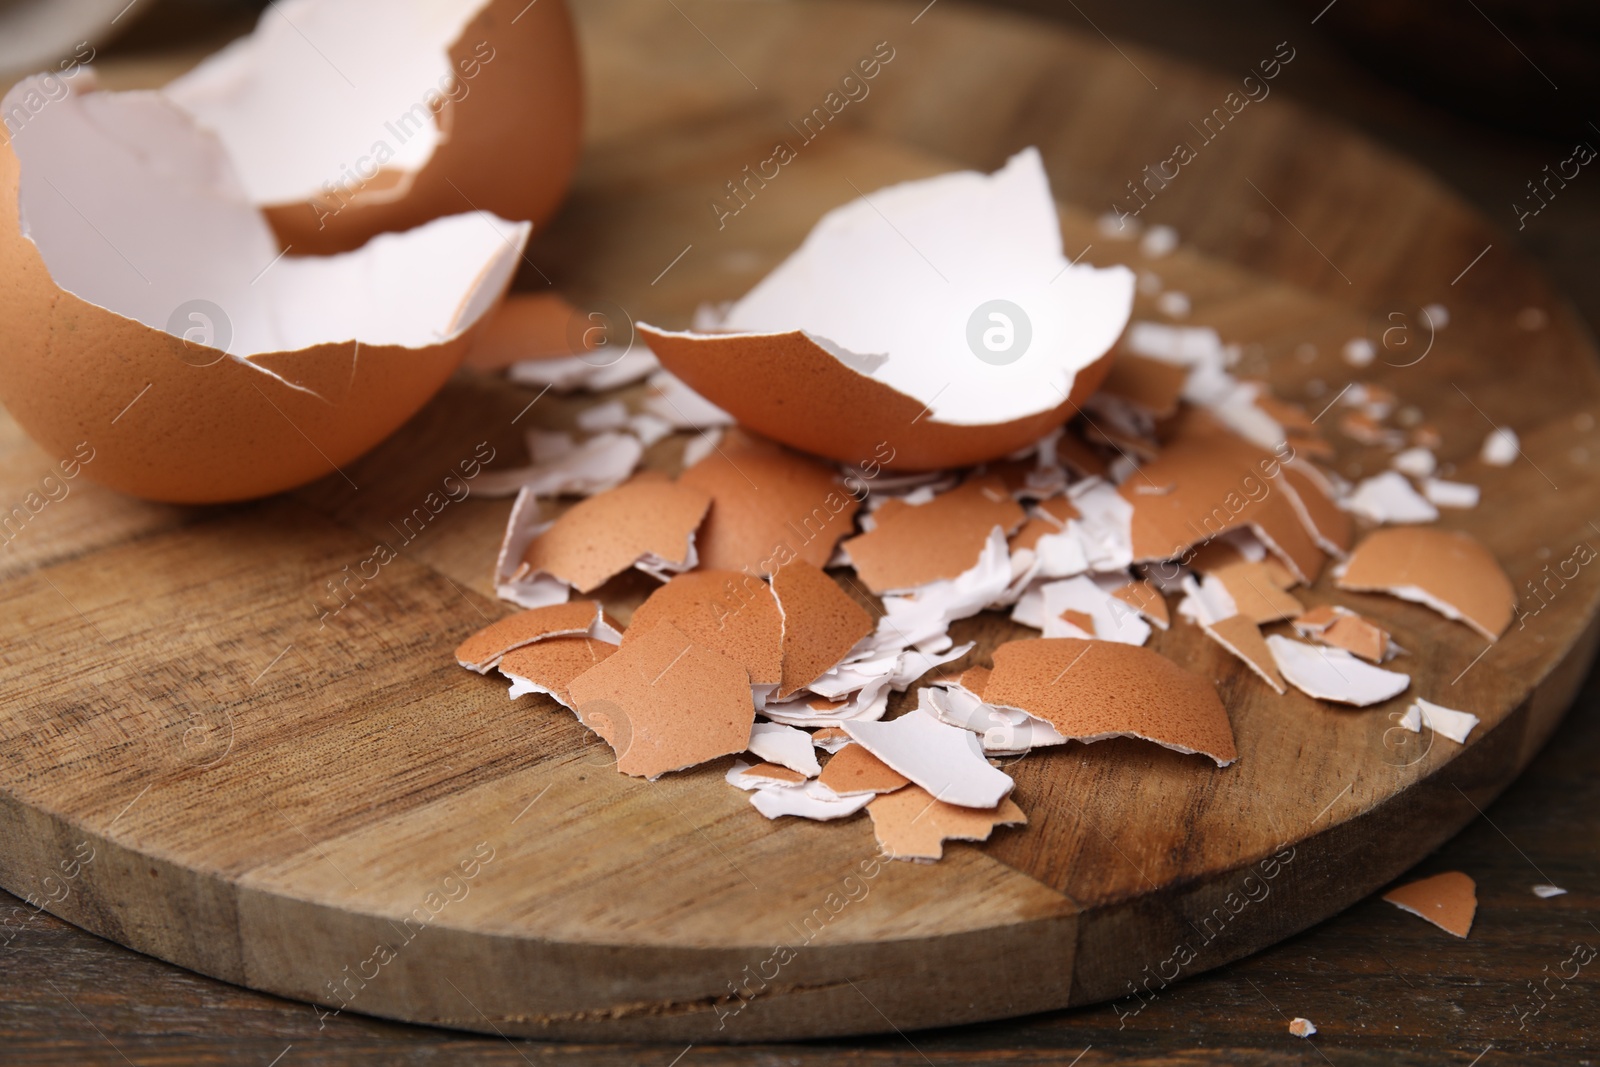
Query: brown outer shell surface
{"type": "Point", "coordinates": [509, 146]}
{"type": "Point", "coordinates": [1450, 566]}
{"type": "Point", "coordinates": [787, 387]}
{"type": "Point", "coordinates": [197, 434]}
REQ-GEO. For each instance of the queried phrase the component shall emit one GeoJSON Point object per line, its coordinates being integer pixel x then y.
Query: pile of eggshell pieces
{"type": "Point", "coordinates": [798, 592]}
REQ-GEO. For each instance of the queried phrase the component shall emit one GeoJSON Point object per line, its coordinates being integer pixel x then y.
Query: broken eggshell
{"type": "Point", "coordinates": [397, 114]}
{"type": "Point", "coordinates": [879, 321]}
{"type": "Point", "coordinates": [148, 316]}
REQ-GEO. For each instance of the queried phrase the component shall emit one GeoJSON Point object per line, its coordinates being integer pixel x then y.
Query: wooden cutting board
{"type": "Point", "coordinates": [195, 763]}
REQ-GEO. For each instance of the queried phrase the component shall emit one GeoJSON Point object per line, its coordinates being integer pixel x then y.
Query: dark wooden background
{"type": "Point", "coordinates": [1382, 986]}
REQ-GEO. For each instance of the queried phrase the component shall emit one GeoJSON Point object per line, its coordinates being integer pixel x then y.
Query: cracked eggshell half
{"type": "Point", "coordinates": [350, 118]}
{"type": "Point", "coordinates": [147, 313]}
{"type": "Point", "coordinates": [863, 346]}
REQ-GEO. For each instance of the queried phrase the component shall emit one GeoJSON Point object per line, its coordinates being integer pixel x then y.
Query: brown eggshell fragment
{"type": "Point", "coordinates": [1074, 453]}
{"type": "Point", "coordinates": [1028, 534]}
{"type": "Point", "coordinates": [527, 326]}
{"type": "Point", "coordinates": [1154, 385]}
{"type": "Point", "coordinates": [664, 703]}
{"type": "Point", "coordinates": [830, 738]}
{"type": "Point", "coordinates": [1447, 570]}
{"type": "Point", "coordinates": [853, 770]}
{"type": "Point", "coordinates": [772, 772]}
{"type": "Point", "coordinates": [483, 650]}
{"type": "Point", "coordinates": [551, 665]}
{"type": "Point", "coordinates": [912, 545]}
{"type": "Point", "coordinates": [1332, 527]}
{"type": "Point", "coordinates": [1146, 600]}
{"type": "Point", "coordinates": [726, 611]}
{"type": "Point", "coordinates": [599, 538]}
{"type": "Point", "coordinates": [1292, 417]}
{"type": "Point", "coordinates": [1343, 628]}
{"type": "Point", "coordinates": [789, 388]}
{"type": "Point", "coordinates": [1091, 690]}
{"type": "Point", "coordinates": [1220, 482]}
{"type": "Point", "coordinates": [768, 504]}
{"type": "Point", "coordinates": [1255, 592]}
{"type": "Point", "coordinates": [509, 142]}
{"type": "Point", "coordinates": [1060, 509]}
{"type": "Point", "coordinates": [821, 624]}
{"type": "Point", "coordinates": [1242, 637]}
{"type": "Point", "coordinates": [1449, 901]}
{"type": "Point", "coordinates": [1082, 620]}
{"type": "Point", "coordinates": [911, 825]}
{"type": "Point", "coordinates": [974, 680]}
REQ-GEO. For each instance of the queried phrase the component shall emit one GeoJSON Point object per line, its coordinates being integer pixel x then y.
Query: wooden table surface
{"type": "Point", "coordinates": [1382, 986]}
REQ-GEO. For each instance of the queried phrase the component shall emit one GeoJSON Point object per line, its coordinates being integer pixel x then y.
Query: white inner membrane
{"type": "Point", "coordinates": [136, 209]}
{"type": "Point", "coordinates": [352, 85]}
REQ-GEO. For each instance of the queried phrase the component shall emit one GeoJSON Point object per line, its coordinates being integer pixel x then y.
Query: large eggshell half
{"type": "Point", "coordinates": [123, 228]}
{"type": "Point", "coordinates": [350, 118]}
{"type": "Point", "coordinates": [872, 337]}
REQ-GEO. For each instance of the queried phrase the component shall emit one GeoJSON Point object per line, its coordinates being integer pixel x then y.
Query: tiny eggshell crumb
{"type": "Point", "coordinates": [1302, 1027]}
{"type": "Point", "coordinates": [1545, 892]}
{"type": "Point", "coordinates": [1359, 352]}
{"type": "Point", "coordinates": [1417, 462]}
{"type": "Point", "coordinates": [1158, 241]}
{"type": "Point", "coordinates": [1500, 448]}
{"type": "Point", "coordinates": [1173, 304]}
{"type": "Point", "coordinates": [1445, 494]}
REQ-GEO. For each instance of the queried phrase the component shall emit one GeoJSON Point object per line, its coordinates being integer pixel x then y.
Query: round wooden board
{"type": "Point", "coordinates": [291, 804]}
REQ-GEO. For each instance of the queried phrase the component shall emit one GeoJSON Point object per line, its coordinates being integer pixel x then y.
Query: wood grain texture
{"type": "Point", "coordinates": [268, 797]}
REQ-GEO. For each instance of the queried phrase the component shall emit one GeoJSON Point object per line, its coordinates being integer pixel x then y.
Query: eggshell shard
{"type": "Point", "coordinates": [910, 824]}
{"type": "Point", "coordinates": [1342, 628]}
{"type": "Point", "coordinates": [350, 118]}
{"type": "Point", "coordinates": [1242, 637]}
{"type": "Point", "coordinates": [663, 703]}
{"type": "Point", "coordinates": [945, 760]}
{"type": "Point", "coordinates": [1449, 901]}
{"type": "Point", "coordinates": [1221, 483]}
{"type": "Point", "coordinates": [1446, 570]}
{"type": "Point", "coordinates": [603, 462]}
{"type": "Point", "coordinates": [873, 332]}
{"type": "Point", "coordinates": [1147, 601]}
{"type": "Point", "coordinates": [1389, 498]}
{"type": "Point", "coordinates": [550, 665]}
{"type": "Point", "coordinates": [912, 545]}
{"type": "Point", "coordinates": [1154, 386]}
{"type": "Point", "coordinates": [853, 771]}
{"type": "Point", "coordinates": [1255, 591]}
{"type": "Point", "coordinates": [746, 777]}
{"type": "Point", "coordinates": [483, 650]}
{"type": "Point", "coordinates": [821, 624]}
{"type": "Point", "coordinates": [1302, 1027]}
{"type": "Point", "coordinates": [810, 800]}
{"type": "Point", "coordinates": [147, 312]}
{"type": "Point", "coordinates": [725, 611]}
{"type": "Point", "coordinates": [785, 746]}
{"type": "Point", "coordinates": [648, 522]}
{"type": "Point", "coordinates": [1447, 722]}
{"type": "Point", "coordinates": [1334, 674]}
{"type": "Point", "coordinates": [768, 505]}
{"type": "Point", "coordinates": [1092, 690]}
